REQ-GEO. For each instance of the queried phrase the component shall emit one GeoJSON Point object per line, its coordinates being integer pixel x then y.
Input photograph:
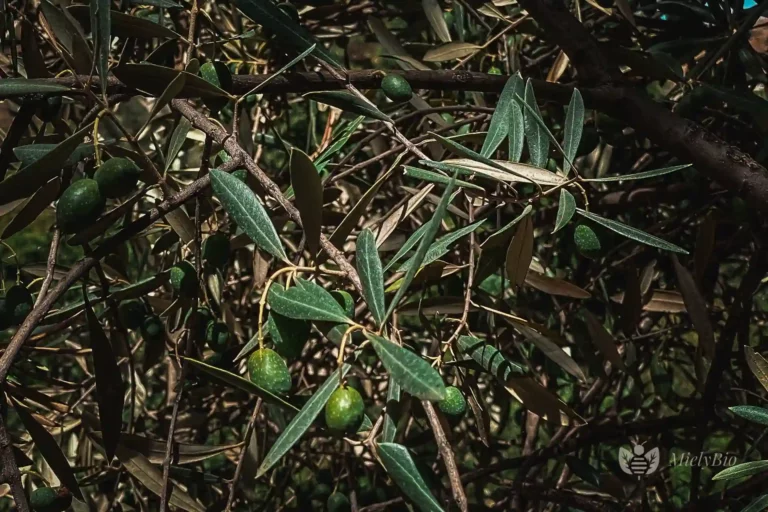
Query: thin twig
{"type": "Point", "coordinates": [447, 453]}
{"type": "Point", "coordinates": [241, 457]}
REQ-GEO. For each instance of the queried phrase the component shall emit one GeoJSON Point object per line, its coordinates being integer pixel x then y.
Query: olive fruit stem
{"type": "Point", "coordinates": [95, 136]}
{"type": "Point", "coordinates": [343, 344]}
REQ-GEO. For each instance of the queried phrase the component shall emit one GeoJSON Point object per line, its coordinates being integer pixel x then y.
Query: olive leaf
{"type": "Point", "coordinates": [441, 246]}
{"type": "Point", "coordinates": [632, 233]}
{"type": "Point", "coordinates": [242, 205]}
{"type": "Point", "coordinates": [26, 181]}
{"type": "Point", "coordinates": [742, 470]}
{"type": "Point", "coordinates": [535, 134]}
{"type": "Point", "coordinates": [240, 383]}
{"type": "Point", "coordinates": [348, 102]}
{"type": "Point", "coordinates": [303, 420]}
{"type": "Point", "coordinates": [150, 477]}
{"type": "Point", "coordinates": [758, 365]}
{"type": "Point", "coordinates": [267, 14]}
{"type": "Point", "coordinates": [49, 449]}
{"type": "Point", "coordinates": [520, 253]}
{"type": "Point", "coordinates": [414, 375]}
{"type": "Point", "coordinates": [436, 20]}
{"type": "Point", "coordinates": [603, 340]}
{"type": "Point", "coordinates": [751, 413]}
{"type": "Point", "coordinates": [696, 307]}
{"type": "Point", "coordinates": [503, 117]}
{"type": "Point", "coordinates": [389, 430]}
{"type": "Point", "coordinates": [489, 358]}
{"type": "Point", "coordinates": [306, 301]}
{"type": "Point", "coordinates": [424, 243]}
{"type": "Point", "coordinates": [101, 27]}
{"type": "Point", "coordinates": [110, 390]}
{"type": "Point", "coordinates": [565, 210]}
{"type": "Point", "coordinates": [640, 175]}
{"type": "Point", "coordinates": [400, 466]}
{"type": "Point", "coordinates": [13, 87]}
{"type": "Point", "coordinates": [308, 188]}
{"type": "Point", "coordinates": [574, 126]}
{"type": "Point", "coordinates": [371, 275]}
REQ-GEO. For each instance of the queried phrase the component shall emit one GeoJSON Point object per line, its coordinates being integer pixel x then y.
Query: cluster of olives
{"type": "Point", "coordinates": [84, 200]}
{"type": "Point", "coordinates": [15, 306]}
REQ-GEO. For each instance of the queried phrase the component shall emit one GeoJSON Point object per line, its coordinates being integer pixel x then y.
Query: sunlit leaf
{"type": "Point", "coordinates": [414, 375]}
{"type": "Point", "coordinates": [574, 125]}
{"type": "Point", "coordinates": [306, 301]}
{"type": "Point", "coordinates": [751, 413]}
{"type": "Point", "coordinates": [451, 51]}
{"type": "Point", "coordinates": [246, 210]}
{"type": "Point", "coordinates": [632, 233]}
{"type": "Point", "coordinates": [400, 466]}
{"type": "Point", "coordinates": [742, 470]}
{"type": "Point", "coordinates": [565, 210]}
{"type": "Point", "coordinates": [371, 275]}
{"type": "Point", "coordinates": [535, 134]}
{"type": "Point", "coordinates": [302, 421]}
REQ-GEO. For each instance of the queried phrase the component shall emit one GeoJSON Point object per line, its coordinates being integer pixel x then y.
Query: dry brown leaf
{"type": "Point", "coordinates": [540, 401]}
{"type": "Point", "coordinates": [520, 253]}
{"type": "Point", "coordinates": [554, 286]}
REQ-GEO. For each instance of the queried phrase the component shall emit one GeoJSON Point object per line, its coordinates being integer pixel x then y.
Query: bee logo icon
{"type": "Point", "coordinates": [637, 462]}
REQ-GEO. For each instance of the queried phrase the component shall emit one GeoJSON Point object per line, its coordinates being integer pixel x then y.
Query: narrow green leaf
{"type": "Point", "coordinates": [152, 478]}
{"type": "Point", "coordinates": [240, 383]}
{"type": "Point", "coordinates": [178, 137]}
{"type": "Point", "coordinates": [503, 235]}
{"type": "Point", "coordinates": [489, 358]}
{"type": "Point", "coordinates": [32, 152]}
{"type": "Point", "coordinates": [538, 142]}
{"type": "Point", "coordinates": [441, 246]}
{"type": "Point", "coordinates": [502, 117]}
{"type": "Point", "coordinates": [433, 177]}
{"type": "Point", "coordinates": [751, 413]}
{"type": "Point", "coordinates": [242, 205]}
{"type": "Point", "coordinates": [338, 143]}
{"type": "Point", "coordinates": [412, 372]}
{"type": "Point", "coordinates": [168, 4]}
{"type": "Point", "coordinates": [421, 252]}
{"type": "Point", "coordinates": [574, 125]}
{"type": "Point", "coordinates": [49, 449]}
{"type": "Point", "coordinates": [565, 210]}
{"type": "Point", "coordinates": [759, 505]}
{"type": "Point", "coordinates": [303, 420]}
{"type": "Point", "coordinates": [348, 102]}
{"type": "Point", "coordinates": [742, 470]}
{"type": "Point", "coordinates": [391, 417]}
{"type": "Point", "coordinates": [101, 27]}
{"type": "Point", "coordinates": [306, 301]}
{"type": "Point", "coordinates": [516, 121]}
{"type": "Point", "coordinates": [308, 188]}
{"type": "Point", "coordinates": [267, 14]}
{"type": "Point", "coordinates": [371, 275]}
{"type": "Point", "coordinates": [12, 87]}
{"type": "Point", "coordinates": [30, 178]}
{"type": "Point", "coordinates": [408, 245]}
{"type": "Point", "coordinates": [110, 390]}
{"type": "Point", "coordinates": [400, 466]}
{"type": "Point", "coordinates": [632, 233]}
{"type": "Point", "coordinates": [641, 175]}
